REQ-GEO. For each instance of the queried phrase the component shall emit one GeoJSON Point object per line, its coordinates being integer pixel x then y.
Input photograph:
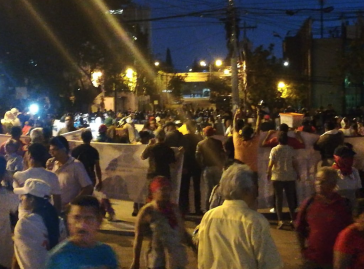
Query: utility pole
{"type": "Point", "coordinates": [234, 58]}
{"type": "Point", "coordinates": [322, 17]}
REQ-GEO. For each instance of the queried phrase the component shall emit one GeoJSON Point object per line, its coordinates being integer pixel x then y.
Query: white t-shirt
{"type": "Point", "coordinates": [38, 173]}
{"type": "Point", "coordinates": [348, 185]}
{"type": "Point", "coordinates": [282, 157]}
{"type": "Point", "coordinates": [8, 203]}
{"type": "Point", "coordinates": [72, 178]}
{"type": "Point", "coordinates": [31, 241]}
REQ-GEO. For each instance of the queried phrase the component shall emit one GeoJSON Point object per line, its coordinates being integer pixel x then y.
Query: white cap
{"type": "Point", "coordinates": [36, 187]}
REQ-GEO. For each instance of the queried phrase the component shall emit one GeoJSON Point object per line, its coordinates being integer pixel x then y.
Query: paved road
{"type": "Point", "coordinates": [120, 236]}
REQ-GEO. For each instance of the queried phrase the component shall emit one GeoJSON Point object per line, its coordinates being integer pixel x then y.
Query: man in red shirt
{"type": "Point", "coordinates": [294, 142]}
{"type": "Point", "coordinates": [349, 246]}
{"type": "Point", "coordinates": [320, 219]}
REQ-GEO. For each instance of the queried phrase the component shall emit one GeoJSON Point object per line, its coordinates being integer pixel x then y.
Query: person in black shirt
{"type": "Point", "coordinates": [90, 158]}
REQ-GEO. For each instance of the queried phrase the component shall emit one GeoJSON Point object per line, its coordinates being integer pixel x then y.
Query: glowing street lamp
{"type": "Point", "coordinates": [96, 78]}
{"type": "Point", "coordinates": [281, 85]}
{"type": "Point", "coordinates": [286, 63]}
{"type": "Point", "coordinates": [129, 73]}
{"type": "Point", "coordinates": [203, 63]}
{"type": "Point", "coordinates": [156, 63]}
{"type": "Point", "coordinates": [218, 63]}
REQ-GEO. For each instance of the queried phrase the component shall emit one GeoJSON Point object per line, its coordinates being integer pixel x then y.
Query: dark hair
{"type": "Point", "coordinates": [282, 138]}
{"type": "Point", "coordinates": [15, 132]}
{"type": "Point", "coordinates": [47, 133]}
{"type": "Point", "coordinates": [239, 124]}
{"type": "Point", "coordinates": [283, 127]}
{"type": "Point", "coordinates": [49, 215]}
{"type": "Point", "coordinates": [86, 136]}
{"type": "Point", "coordinates": [358, 208]}
{"type": "Point", "coordinates": [87, 201]}
{"type": "Point", "coordinates": [38, 153]}
{"type": "Point", "coordinates": [247, 132]}
{"type": "Point", "coordinates": [2, 167]}
{"type": "Point", "coordinates": [60, 142]}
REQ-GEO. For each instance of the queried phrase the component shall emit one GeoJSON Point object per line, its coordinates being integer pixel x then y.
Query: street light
{"type": "Point", "coordinates": [203, 63]}
{"type": "Point", "coordinates": [281, 85]}
{"type": "Point", "coordinates": [156, 63]}
{"type": "Point", "coordinates": [286, 63]}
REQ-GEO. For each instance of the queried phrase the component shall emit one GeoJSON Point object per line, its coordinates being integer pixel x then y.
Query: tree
{"type": "Point", "coordinates": [219, 86]}
{"type": "Point", "coordinates": [175, 85]}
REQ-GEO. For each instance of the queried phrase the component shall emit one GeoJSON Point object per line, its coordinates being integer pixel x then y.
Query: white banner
{"type": "Point", "coordinates": [124, 173]}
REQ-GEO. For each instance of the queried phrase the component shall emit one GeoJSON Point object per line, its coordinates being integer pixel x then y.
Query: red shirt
{"type": "Point", "coordinates": [351, 241]}
{"type": "Point", "coordinates": [293, 142]}
{"type": "Point", "coordinates": [324, 222]}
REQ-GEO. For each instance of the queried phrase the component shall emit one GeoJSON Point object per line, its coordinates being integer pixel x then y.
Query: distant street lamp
{"type": "Point", "coordinates": [286, 63]}
{"type": "Point", "coordinates": [156, 63]}
{"type": "Point", "coordinates": [281, 85]}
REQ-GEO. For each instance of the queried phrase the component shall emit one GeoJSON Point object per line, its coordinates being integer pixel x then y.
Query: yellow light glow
{"type": "Point", "coordinates": [96, 77]}
{"type": "Point", "coordinates": [203, 63]}
{"type": "Point", "coordinates": [156, 63]}
{"type": "Point", "coordinates": [281, 85]}
{"type": "Point", "coordinates": [226, 71]}
{"type": "Point", "coordinates": [218, 63]}
{"type": "Point", "coordinates": [129, 73]}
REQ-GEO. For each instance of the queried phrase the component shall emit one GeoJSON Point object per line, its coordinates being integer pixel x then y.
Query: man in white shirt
{"type": "Point", "coordinates": [38, 153]}
{"type": "Point", "coordinates": [72, 175]}
{"type": "Point", "coordinates": [234, 235]}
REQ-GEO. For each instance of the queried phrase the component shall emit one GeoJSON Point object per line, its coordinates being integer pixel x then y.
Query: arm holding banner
{"type": "Point", "coordinates": [266, 143]}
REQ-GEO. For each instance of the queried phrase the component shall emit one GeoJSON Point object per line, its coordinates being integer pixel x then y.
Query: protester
{"type": "Point", "coordinates": [283, 171]}
{"type": "Point", "coordinates": [235, 235]}
{"type": "Point", "coordinates": [349, 182]}
{"type": "Point", "coordinates": [306, 126]}
{"type": "Point", "coordinates": [174, 138]}
{"type": "Point", "coordinates": [320, 219]}
{"type": "Point", "coordinates": [70, 125]}
{"type": "Point", "coordinates": [210, 156]}
{"type": "Point", "coordinates": [192, 169]}
{"type": "Point", "coordinates": [267, 124]}
{"type": "Point", "coordinates": [15, 135]}
{"type": "Point", "coordinates": [102, 137]}
{"type": "Point", "coordinates": [39, 231]}
{"type": "Point", "coordinates": [160, 220]}
{"type": "Point", "coordinates": [80, 249]}
{"type": "Point", "coordinates": [247, 144]}
{"type": "Point", "coordinates": [328, 142]}
{"type": "Point", "coordinates": [38, 156]}
{"type": "Point", "coordinates": [71, 173]}
{"type": "Point", "coordinates": [14, 162]}
{"type": "Point", "coordinates": [89, 157]}
{"type": "Point", "coordinates": [349, 245]}
{"type": "Point", "coordinates": [8, 204]}
{"type": "Point", "coordinates": [294, 142]}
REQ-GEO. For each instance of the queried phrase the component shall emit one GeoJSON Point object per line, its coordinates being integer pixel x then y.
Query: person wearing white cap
{"type": "Point", "coordinates": [8, 204]}
{"type": "Point", "coordinates": [38, 231]}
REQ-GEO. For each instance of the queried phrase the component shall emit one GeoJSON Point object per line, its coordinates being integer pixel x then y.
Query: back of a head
{"type": "Point", "coordinates": [283, 127]}
{"type": "Point", "coordinates": [236, 181]}
{"type": "Point", "coordinates": [86, 136]}
{"type": "Point", "coordinates": [247, 132]}
{"type": "Point", "coordinates": [36, 135]}
{"type": "Point", "coordinates": [38, 153]}
{"type": "Point", "coordinates": [88, 201]}
{"type": "Point", "coordinates": [283, 138]}
{"type": "Point", "coordinates": [239, 124]}
{"type": "Point", "coordinates": [16, 132]}
{"type": "Point", "coordinates": [160, 135]}
{"type": "Point", "coordinates": [60, 142]}
{"type": "Point", "coordinates": [330, 174]}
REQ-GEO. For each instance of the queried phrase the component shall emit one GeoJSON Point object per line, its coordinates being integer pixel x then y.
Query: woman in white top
{"type": "Point", "coordinates": [39, 230]}
{"type": "Point", "coordinates": [8, 203]}
{"type": "Point", "coordinates": [349, 182]}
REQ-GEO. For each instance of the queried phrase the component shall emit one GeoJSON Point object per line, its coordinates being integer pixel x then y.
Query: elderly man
{"type": "Point", "coordinates": [234, 235]}
{"type": "Point", "coordinates": [320, 220]}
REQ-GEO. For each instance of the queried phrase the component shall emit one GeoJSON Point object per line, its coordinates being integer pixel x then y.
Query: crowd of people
{"type": "Point", "coordinates": [56, 220]}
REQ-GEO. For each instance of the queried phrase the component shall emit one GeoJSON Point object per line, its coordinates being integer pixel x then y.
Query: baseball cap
{"type": "Point", "coordinates": [344, 151]}
{"type": "Point", "coordinates": [36, 187]}
{"type": "Point", "coordinates": [266, 117]}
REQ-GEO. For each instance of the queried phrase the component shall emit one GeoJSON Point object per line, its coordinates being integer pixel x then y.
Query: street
{"type": "Point", "coordinates": [119, 235]}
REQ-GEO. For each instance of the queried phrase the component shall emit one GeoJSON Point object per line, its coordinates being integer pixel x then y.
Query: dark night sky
{"type": "Point", "coordinates": [192, 38]}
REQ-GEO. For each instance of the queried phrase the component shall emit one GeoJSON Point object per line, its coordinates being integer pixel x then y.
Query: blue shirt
{"type": "Point", "coordinates": [67, 255]}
